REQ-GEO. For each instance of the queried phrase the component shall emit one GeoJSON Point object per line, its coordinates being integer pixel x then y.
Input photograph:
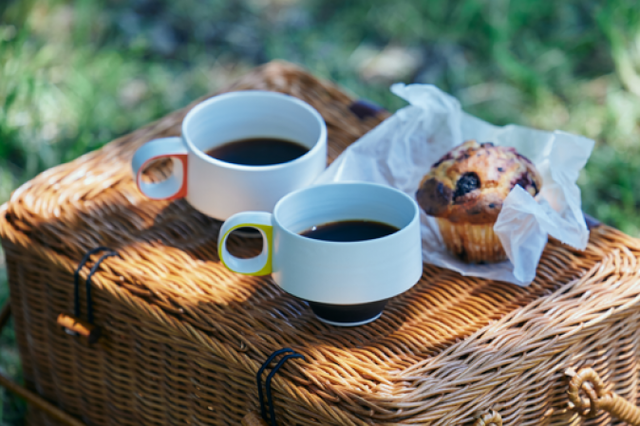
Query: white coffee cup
{"type": "Point", "coordinates": [345, 283]}
{"type": "Point", "coordinates": [220, 189]}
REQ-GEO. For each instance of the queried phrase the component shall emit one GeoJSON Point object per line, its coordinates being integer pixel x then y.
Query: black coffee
{"type": "Point", "coordinates": [349, 230]}
{"type": "Point", "coordinates": [258, 151]}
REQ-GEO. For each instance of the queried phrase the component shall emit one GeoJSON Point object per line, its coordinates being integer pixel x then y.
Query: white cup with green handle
{"type": "Point", "coordinates": [345, 248]}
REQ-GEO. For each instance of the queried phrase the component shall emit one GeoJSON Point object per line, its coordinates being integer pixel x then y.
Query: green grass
{"type": "Point", "coordinates": [76, 74]}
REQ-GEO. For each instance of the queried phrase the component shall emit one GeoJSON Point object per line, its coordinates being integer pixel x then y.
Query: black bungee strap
{"type": "Point", "coordinates": [263, 409]}
{"type": "Point", "coordinates": [76, 280]}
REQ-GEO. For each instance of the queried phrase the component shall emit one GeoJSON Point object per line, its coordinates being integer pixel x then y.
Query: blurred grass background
{"type": "Point", "coordinates": [75, 74]}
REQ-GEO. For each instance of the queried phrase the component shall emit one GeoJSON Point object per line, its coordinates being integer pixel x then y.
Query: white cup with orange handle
{"type": "Point", "coordinates": [220, 188]}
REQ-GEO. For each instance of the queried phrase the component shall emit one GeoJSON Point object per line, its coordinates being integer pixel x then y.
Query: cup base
{"type": "Point", "coordinates": [348, 315]}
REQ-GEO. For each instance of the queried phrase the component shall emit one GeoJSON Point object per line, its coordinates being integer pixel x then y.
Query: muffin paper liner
{"type": "Point", "coordinates": [472, 242]}
{"type": "Point", "coordinates": [401, 150]}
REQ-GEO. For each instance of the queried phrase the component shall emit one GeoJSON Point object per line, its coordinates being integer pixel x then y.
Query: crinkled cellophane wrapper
{"type": "Point", "coordinates": [183, 337]}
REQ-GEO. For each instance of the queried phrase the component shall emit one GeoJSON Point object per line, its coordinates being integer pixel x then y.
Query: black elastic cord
{"type": "Point", "coordinates": [263, 410]}
{"type": "Point", "coordinates": [91, 272]}
{"type": "Point", "coordinates": [76, 281]}
{"type": "Point", "coordinates": [267, 384]}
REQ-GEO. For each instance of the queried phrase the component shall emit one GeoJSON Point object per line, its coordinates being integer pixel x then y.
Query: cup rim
{"type": "Point", "coordinates": [318, 146]}
{"type": "Point", "coordinates": [404, 229]}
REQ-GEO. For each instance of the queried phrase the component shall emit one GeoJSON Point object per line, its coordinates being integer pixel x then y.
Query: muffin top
{"type": "Point", "coordinates": [469, 184]}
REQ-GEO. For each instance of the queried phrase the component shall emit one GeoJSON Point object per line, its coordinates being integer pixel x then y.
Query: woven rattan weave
{"type": "Point", "coordinates": [182, 337]}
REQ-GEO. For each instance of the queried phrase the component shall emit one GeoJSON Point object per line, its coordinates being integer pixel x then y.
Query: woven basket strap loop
{"type": "Point", "coordinates": [263, 409]}
{"type": "Point", "coordinates": [588, 381]}
{"type": "Point", "coordinates": [488, 418]}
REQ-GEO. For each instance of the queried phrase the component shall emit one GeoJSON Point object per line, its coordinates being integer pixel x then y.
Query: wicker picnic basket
{"type": "Point", "coordinates": [182, 339]}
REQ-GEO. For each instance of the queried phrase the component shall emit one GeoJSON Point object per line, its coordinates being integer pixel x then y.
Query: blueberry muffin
{"type": "Point", "coordinates": [465, 190]}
